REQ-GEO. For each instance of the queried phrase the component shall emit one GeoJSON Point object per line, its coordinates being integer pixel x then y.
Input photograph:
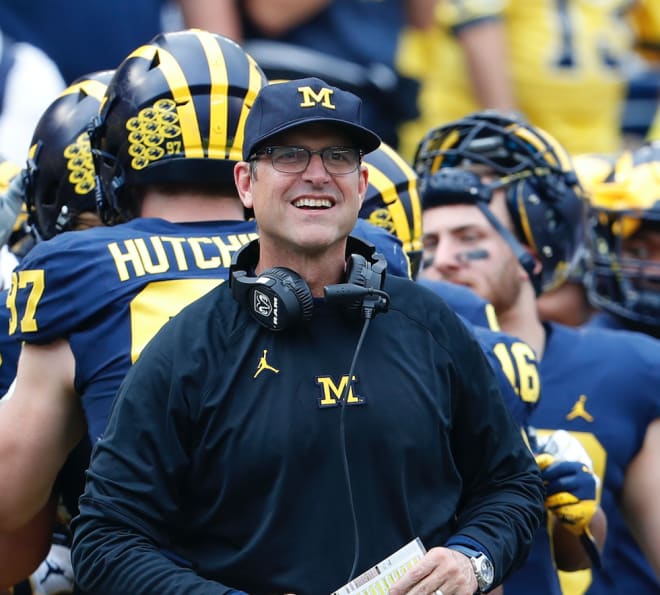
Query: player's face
{"type": "Point", "coordinates": [462, 247]}
{"type": "Point", "coordinates": [306, 212]}
{"type": "Point", "coordinates": [643, 249]}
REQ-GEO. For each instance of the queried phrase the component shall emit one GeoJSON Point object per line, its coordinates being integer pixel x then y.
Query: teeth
{"type": "Point", "coordinates": [316, 203]}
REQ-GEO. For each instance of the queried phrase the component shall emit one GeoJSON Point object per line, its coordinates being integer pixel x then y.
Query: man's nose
{"type": "Point", "coordinates": [315, 168]}
{"type": "Point", "coordinates": [446, 256]}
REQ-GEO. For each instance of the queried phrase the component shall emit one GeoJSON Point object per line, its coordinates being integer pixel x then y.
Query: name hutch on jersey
{"type": "Point", "coordinates": [159, 254]}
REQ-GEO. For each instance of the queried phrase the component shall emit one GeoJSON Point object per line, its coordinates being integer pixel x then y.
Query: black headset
{"type": "Point", "coordinates": [279, 298]}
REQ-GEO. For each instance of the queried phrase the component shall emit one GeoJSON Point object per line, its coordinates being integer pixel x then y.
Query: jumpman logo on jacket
{"type": "Point", "coordinates": [264, 365]}
{"type": "Point", "coordinates": [580, 410]}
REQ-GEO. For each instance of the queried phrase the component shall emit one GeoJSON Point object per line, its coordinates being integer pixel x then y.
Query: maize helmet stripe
{"type": "Point", "coordinates": [392, 177]}
{"type": "Point", "coordinates": [413, 207]}
{"type": "Point", "coordinates": [95, 89]}
{"type": "Point", "coordinates": [219, 88]}
{"type": "Point", "coordinates": [185, 107]}
{"type": "Point", "coordinates": [416, 206]}
{"type": "Point", "coordinates": [254, 85]}
{"type": "Point", "coordinates": [524, 220]}
{"type": "Point", "coordinates": [551, 151]}
{"type": "Point", "coordinates": [59, 178]}
{"type": "Point", "coordinates": [449, 141]}
{"type": "Point", "coordinates": [390, 196]}
{"type": "Point", "coordinates": [392, 200]}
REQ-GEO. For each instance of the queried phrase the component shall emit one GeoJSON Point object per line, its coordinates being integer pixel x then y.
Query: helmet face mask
{"type": "Point", "coordinates": [625, 285]}
{"type": "Point", "coordinates": [543, 195]}
{"type": "Point", "coordinates": [173, 114]}
{"type": "Point", "coordinates": [623, 238]}
{"type": "Point", "coordinates": [392, 201]}
{"type": "Point", "coordinates": [59, 176]}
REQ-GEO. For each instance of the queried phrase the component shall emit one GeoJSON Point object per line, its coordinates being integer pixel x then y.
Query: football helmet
{"type": "Point", "coordinates": [623, 278]}
{"type": "Point", "coordinates": [59, 181]}
{"type": "Point", "coordinates": [173, 113]}
{"type": "Point", "coordinates": [392, 201]}
{"type": "Point", "coordinates": [543, 194]}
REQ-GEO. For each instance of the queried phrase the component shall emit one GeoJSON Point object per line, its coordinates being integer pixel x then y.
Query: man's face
{"type": "Point", "coordinates": [462, 247]}
{"type": "Point", "coordinates": [309, 211]}
{"type": "Point", "coordinates": [643, 247]}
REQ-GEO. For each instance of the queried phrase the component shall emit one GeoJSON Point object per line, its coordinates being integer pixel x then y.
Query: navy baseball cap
{"type": "Point", "coordinates": [286, 105]}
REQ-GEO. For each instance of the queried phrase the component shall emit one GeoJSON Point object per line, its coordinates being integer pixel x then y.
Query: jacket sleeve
{"type": "Point", "coordinates": [502, 503]}
{"type": "Point", "coordinates": [118, 546]}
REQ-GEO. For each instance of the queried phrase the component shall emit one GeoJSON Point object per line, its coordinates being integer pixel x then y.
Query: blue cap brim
{"type": "Point", "coordinates": [364, 139]}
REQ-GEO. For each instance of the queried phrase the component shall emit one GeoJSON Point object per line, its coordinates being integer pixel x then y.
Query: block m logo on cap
{"type": "Point", "coordinates": [311, 98]}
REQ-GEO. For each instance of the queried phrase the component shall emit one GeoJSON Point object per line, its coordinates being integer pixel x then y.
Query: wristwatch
{"type": "Point", "coordinates": [483, 570]}
{"type": "Point", "coordinates": [481, 565]}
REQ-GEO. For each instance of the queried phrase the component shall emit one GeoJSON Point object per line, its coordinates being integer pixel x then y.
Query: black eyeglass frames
{"type": "Point", "coordinates": [294, 160]}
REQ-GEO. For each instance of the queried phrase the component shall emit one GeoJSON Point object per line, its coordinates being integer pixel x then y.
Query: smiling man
{"type": "Point", "coordinates": [275, 437]}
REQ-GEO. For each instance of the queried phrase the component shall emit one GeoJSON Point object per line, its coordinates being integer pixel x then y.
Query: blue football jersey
{"type": "Point", "coordinates": [465, 302]}
{"type": "Point", "coordinates": [10, 349]}
{"type": "Point", "coordinates": [110, 289]}
{"type": "Point", "coordinates": [513, 361]}
{"type": "Point", "coordinates": [602, 387]}
{"type": "Point", "coordinates": [516, 368]}
{"type": "Point", "coordinates": [602, 319]}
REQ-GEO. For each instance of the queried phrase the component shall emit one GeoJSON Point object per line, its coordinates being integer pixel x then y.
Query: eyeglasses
{"type": "Point", "coordinates": [294, 160]}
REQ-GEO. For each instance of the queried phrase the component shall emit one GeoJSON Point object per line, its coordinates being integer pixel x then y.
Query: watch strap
{"type": "Point", "coordinates": [468, 551]}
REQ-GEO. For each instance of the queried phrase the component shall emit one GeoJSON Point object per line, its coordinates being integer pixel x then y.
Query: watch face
{"type": "Point", "coordinates": [486, 571]}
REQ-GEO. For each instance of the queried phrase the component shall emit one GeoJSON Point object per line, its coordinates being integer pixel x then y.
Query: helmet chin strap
{"type": "Point", "coordinates": [524, 257]}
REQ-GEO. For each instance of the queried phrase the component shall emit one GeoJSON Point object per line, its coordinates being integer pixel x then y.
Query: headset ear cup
{"type": "Point", "coordinates": [296, 298]}
{"type": "Point", "coordinates": [277, 298]}
{"type": "Point", "coordinates": [357, 270]}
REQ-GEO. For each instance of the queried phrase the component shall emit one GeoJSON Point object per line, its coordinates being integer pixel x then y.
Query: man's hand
{"type": "Point", "coordinates": [441, 570]}
{"type": "Point", "coordinates": [570, 491]}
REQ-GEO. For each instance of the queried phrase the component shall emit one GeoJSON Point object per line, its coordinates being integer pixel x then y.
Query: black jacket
{"type": "Point", "coordinates": [223, 463]}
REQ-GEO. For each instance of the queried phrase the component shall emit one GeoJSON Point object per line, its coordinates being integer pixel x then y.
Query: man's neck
{"type": "Point", "coordinates": [182, 208]}
{"type": "Point", "coordinates": [522, 321]}
{"type": "Point", "coordinates": [318, 270]}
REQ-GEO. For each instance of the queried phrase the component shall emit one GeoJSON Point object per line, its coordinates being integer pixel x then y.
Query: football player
{"type": "Point", "coordinates": [623, 241]}
{"type": "Point", "coordinates": [495, 187]}
{"type": "Point", "coordinates": [623, 282]}
{"type": "Point", "coordinates": [57, 187]}
{"type": "Point", "coordinates": [568, 303]}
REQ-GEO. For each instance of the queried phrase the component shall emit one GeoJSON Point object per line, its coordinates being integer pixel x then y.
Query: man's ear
{"type": "Point", "coordinates": [243, 182]}
{"type": "Point", "coordinates": [363, 182]}
{"type": "Point", "coordinates": [537, 262]}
